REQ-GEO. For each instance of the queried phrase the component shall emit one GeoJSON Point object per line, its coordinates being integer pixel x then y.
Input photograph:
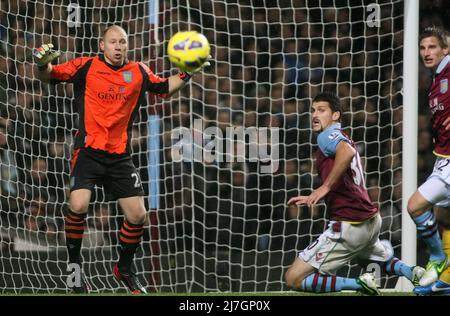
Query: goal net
{"type": "Point", "coordinates": [218, 219]}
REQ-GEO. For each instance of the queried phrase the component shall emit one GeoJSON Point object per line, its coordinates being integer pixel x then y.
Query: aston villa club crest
{"type": "Point", "coordinates": [127, 76]}
{"type": "Point", "coordinates": [444, 86]}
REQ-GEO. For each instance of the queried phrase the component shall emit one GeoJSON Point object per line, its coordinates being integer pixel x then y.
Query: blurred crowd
{"type": "Point", "coordinates": [268, 62]}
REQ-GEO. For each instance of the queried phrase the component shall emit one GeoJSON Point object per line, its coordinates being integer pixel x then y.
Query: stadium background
{"type": "Point", "coordinates": [264, 72]}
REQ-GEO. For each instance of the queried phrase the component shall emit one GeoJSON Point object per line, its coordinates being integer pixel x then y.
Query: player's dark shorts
{"type": "Point", "coordinates": [115, 172]}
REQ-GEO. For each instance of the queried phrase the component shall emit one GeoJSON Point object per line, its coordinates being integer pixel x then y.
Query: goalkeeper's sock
{"type": "Point", "coordinates": [398, 267]}
{"type": "Point", "coordinates": [129, 237]}
{"type": "Point", "coordinates": [74, 228]}
{"type": "Point", "coordinates": [428, 231]}
{"type": "Point", "coordinates": [445, 276]}
{"type": "Point", "coordinates": [319, 283]}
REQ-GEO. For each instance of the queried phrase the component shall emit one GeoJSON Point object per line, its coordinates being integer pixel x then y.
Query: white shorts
{"type": "Point", "coordinates": [343, 241]}
{"type": "Point", "coordinates": [436, 189]}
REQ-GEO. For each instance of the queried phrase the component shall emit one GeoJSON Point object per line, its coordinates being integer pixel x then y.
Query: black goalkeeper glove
{"type": "Point", "coordinates": [186, 75]}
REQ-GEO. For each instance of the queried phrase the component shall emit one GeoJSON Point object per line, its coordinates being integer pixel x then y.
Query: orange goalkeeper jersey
{"type": "Point", "coordinates": [107, 99]}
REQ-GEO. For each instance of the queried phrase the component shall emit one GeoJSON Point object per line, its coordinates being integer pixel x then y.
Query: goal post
{"type": "Point", "coordinates": [220, 159]}
{"type": "Point", "coordinates": [410, 138]}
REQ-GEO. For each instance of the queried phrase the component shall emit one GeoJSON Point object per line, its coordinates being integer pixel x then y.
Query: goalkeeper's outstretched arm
{"type": "Point", "coordinates": [177, 82]}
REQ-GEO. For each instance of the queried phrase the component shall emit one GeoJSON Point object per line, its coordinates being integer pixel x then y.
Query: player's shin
{"type": "Point", "coordinates": [400, 268]}
{"type": "Point", "coordinates": [130, 237]}
{"type": "Point", "coordinates": [428, 232]}
{"type": "Point", "coordinates": [319, 283]}
{"type": "Point", "coordinates": [74, 230]}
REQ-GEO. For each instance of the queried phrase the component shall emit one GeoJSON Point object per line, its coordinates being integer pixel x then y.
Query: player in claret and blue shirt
{"type": "Point", "coordinates": [430, 204]}
{"type": "Point", "coordinates": [355, 221]}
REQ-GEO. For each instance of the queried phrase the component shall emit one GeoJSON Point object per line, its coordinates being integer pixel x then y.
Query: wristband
{"type": "Point", "coordinates": [184, 76]}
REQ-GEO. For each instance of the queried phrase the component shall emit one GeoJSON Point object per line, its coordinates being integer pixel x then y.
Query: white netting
{"type": "Point", "coordinates": [220, 226]}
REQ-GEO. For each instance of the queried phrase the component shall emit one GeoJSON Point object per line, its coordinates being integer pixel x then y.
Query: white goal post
{"type": "Point", "coordinates": [213, 225]}
{"type": "Point", "coordinates": [410, 122]}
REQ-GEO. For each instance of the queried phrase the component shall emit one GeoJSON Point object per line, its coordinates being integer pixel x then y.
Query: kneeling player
{"type": "Point", "coordinates": [355, 222]}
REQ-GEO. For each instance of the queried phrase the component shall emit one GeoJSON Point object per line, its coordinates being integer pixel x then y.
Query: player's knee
{"type": "Point", "coordinates": [412, 208]}
{"type": "Point", "coordinates": [78, 207]}
{"type": "Point", "coordinates": [137, 218]}
{"type": "Point", "coordinates": [288, 279]}
{"type": "Point", "coordinates": [293, 280]}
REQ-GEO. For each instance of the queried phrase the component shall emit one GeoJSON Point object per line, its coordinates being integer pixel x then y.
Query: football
{"type": "Point", "coordinates": [188, 50]}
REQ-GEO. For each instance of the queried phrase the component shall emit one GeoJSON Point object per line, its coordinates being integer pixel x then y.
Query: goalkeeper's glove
{"type": "Point", "coordinates": [186, 75]}
{"type": "Point", "coordinates": [45, 55]}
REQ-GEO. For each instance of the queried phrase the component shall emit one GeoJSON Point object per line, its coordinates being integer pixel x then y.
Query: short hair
{"type": "Point", "coordinates": [332, 99]}
{"type": "Point", "coordinates": [112, 27]}
{"type": "Point", "coordinates": [439, 33]}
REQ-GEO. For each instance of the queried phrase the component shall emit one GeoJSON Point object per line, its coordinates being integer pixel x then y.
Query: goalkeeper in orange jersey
{"type": "Point", "coordinates": [434, 194]}
{"type": "Point", "coordinates": [355, 221]}
{"type": "Point", "coordinates": [108, 92]}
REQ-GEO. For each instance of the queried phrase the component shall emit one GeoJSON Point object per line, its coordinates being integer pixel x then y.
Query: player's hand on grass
{"type": "Point", "coordinates": [45, 55]}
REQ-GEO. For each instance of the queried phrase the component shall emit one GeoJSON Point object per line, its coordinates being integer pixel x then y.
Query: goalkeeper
{"type": "Point", "coordinates": [355, 222]}
{"type": "Point", "coordinates": [109, 88]}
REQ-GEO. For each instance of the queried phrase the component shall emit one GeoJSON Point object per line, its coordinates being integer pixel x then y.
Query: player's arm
{"type": "Point", "coordinates": [177, 82]}
{"type": "Point", "coordinates": [344, 155]}
{"type": "Point", "coordinates": [43, 56]}
{"type": "Point", "coordinates": [166, 87]}
{"type": "Point", "coordinates": [342, 160]}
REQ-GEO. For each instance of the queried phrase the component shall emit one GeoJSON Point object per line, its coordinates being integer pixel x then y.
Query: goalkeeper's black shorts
{"type": "Point", "coordinates": [115, 172]}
